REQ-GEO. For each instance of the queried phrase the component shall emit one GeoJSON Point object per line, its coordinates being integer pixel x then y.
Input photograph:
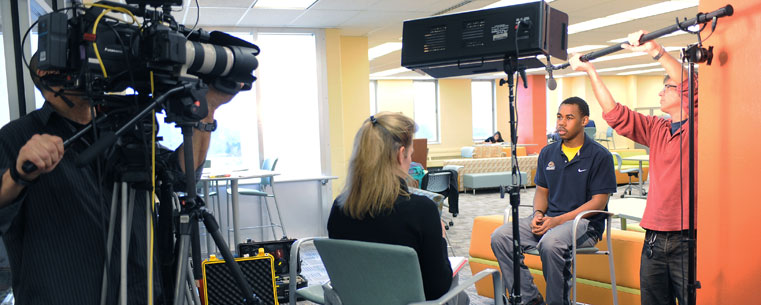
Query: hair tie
{"type": "Point", "coordinates": [373, 120]}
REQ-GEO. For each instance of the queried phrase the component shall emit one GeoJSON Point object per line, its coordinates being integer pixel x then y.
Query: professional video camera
{"type": "Point", "coordinates": [98, 54]}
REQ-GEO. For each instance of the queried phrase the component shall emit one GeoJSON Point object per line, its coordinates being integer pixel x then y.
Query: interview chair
{"type": "Point", "coordinates": [586, 250]}
{"type": "Point", "coordinates": [265, 183]}
{"type": "Point", "coordinates": [313, 293]}
{"type": "Point", "coordinates": [365, 273]}
{"type": "Point", "coordinates": [631, 172]}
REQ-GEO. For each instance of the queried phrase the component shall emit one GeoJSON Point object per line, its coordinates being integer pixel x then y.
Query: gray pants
{"type": "Point", "coordinates": [555, 251]}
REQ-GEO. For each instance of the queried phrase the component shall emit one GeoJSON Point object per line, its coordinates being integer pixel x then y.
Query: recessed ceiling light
{"type": "Point", "coordinates": [383, 49]}
{"type": "Point", "coordinates": [641, 71]}
{"type": "Point", "coordinates": [284, 4]}
{"type": "Point", "coordinates": [642, 12]}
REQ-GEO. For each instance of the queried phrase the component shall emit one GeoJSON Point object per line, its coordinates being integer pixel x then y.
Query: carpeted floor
{"type": "Point", "coordinates": [484, 202]}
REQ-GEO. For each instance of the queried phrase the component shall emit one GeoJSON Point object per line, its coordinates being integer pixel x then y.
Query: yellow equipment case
{"type": "Point", "coordinates": [219, 287]}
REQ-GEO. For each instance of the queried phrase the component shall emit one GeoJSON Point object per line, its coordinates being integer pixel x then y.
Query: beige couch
{"type": "Point", "coordinates": [488, 165]}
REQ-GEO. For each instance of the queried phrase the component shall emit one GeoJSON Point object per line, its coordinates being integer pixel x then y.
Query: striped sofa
{"type": "Point", "coordinates": [489, 165]}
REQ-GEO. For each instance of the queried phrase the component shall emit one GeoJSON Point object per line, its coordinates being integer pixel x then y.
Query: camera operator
{"type": "Point", "coordinates": [54, 221]}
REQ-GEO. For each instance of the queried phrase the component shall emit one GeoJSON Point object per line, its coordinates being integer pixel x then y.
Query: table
{"type": "Point", "coordinates": [640, 158]}
{"type": "Point", "coordinates": [627, 208]}
{"type": "Point", "coordinates": [233, 177]}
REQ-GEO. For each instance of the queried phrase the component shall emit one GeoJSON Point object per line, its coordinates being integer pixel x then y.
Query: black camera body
{"type": "Point", "coordinates": [98, 54]}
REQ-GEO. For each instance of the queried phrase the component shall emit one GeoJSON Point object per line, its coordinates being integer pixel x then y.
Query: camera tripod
{"type": "Point", "coordinates": [191, 208]}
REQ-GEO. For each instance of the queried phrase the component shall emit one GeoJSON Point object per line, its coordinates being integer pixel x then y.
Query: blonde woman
{"type": "Point", "coordinates": [376, 206]}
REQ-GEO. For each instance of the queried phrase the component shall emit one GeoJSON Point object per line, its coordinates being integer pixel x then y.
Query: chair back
{"type": "Point", "coordinates": [467, 151]}
{"type": "Point", "coordinates": [365, 273]}
{"type": "Point", "coordinates": [619, 160]}
{"type": "Point", "coordinates": [268, 164]}
{"type": "Point", "coordinates": [437, 182]}
{"type": "Point", "coordinates": [590, 131]}
{"type": "Point", "coordinates": [609, 132]}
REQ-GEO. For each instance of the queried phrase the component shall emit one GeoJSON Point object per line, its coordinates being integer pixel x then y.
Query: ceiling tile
{"type": "Point", "coordinates": [269, 18]}
{"type": "Point", "coordinates": [323, 18]}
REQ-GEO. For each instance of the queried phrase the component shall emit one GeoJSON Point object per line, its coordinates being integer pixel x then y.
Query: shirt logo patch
{"type": "Point", "coordinates": [582, 170]}
{"type": "Point", "coordinates": [550, 166]}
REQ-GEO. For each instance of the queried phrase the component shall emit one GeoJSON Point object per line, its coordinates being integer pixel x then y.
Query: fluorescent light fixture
{"type": "Point", "coordinates": [642, 12]}
{"type": "Point", "coordinates": [583, 48]}
{"type": "Point", "coordinates": [570, 74]}
{"type": "Point", "coordinates": [284, 4]}
{"type": "Point", "coordinates": [628, 67]}
{"type": "Point", "coordinates": [629, 55]}
{"type": "Point", "coordinates": [641, 71]}
{"type": "Point", "coordinates": [383, 49]}
{"type": "Point", "coordinates": [502, 3]}
{"type": "Point", "coordinates": [389, 72]}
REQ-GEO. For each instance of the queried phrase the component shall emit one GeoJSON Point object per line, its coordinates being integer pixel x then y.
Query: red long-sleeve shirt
{"type": "Point", "coordinates": [664, 211]}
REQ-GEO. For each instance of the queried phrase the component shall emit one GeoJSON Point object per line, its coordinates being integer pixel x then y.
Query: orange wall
{"type": "Point", "coordinates": [532, 111]}
{"type": "Point", "coordinates": [728, 169]}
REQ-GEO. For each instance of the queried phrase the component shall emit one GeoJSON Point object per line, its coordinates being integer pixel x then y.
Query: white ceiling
{"type": "Point", "coordinates": [381, 21]}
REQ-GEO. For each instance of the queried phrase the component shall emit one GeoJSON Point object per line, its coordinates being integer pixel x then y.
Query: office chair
{"type": "Point", "coordinates": [590, 132]}
{"type": "Point", "coordinates": [631, 172]}
{"type": "Point", "coordinates": [439, 182]}
{"type": "Point", "coordinates": [608, 138]}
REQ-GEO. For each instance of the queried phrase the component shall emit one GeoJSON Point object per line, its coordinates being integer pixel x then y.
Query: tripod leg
{"type": "Point", "coordinates": [182, 259]}
{"type": "Point", "coordinates": [213, 228]}
{"type": "Point", "coordinates": [192, 294]}
{"type": "Point", "coordinates": [123, 254]}
{"type": "Point", "coordinates": [109, 243]}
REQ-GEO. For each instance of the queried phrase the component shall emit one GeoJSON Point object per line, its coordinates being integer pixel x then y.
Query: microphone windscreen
{"type": "Point", "coordinates": [552, 84]}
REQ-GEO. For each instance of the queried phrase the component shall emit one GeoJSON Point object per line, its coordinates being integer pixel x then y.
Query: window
{"type": "Point", "coordinates": [289, 110]}
{"type": "Point", "coordinates": [286, 111]}
{"type": "Point", "coordinates": [482, 100]}
{"type": "Point", "coordinates": [5, 115]}
{"type": "Point", "coordinates": [235, 143]}
{"type": "Point", "coordinates": [373, 97]}
{"type": "Point", "coordinates": [426, 100]}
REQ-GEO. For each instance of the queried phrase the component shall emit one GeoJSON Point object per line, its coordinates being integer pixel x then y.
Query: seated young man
{"type": "Point", "coordinates": [573, 175]}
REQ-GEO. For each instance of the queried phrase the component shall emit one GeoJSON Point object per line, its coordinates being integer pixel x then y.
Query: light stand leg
{"type": "Point", "coordinates": [511, 68]}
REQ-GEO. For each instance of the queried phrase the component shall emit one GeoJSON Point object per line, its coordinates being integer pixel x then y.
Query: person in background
{"type": "Point", "coordinates": [376, 205]}
{"type": "Point", "coordinates": [496, 138]}
{"type": "Point", "coordinates": [572, 176]}
{"type": "Point", "coordinates": [663, 264]}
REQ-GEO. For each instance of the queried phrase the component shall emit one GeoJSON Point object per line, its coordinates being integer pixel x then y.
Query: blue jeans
{"type": "Point", "coordinates": [663, 268]}
{"type": "Point", "coordinates": [555, 251]}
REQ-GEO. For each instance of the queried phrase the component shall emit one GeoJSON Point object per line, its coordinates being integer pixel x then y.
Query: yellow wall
{"type": "Point", "coordinates": [455, 115]}
{"type": "Point", "coordinates": [632, 91]}
{"type": "Point", "coordinates": [396, 96]}
{"type": "Point", "coordinates": [348, 72]}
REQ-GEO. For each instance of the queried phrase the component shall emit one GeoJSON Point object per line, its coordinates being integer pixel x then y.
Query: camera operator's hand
{"type": "Point", "coordinates": [216, 98]}
{"type": "Point", "coordinates": [44, 151]}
